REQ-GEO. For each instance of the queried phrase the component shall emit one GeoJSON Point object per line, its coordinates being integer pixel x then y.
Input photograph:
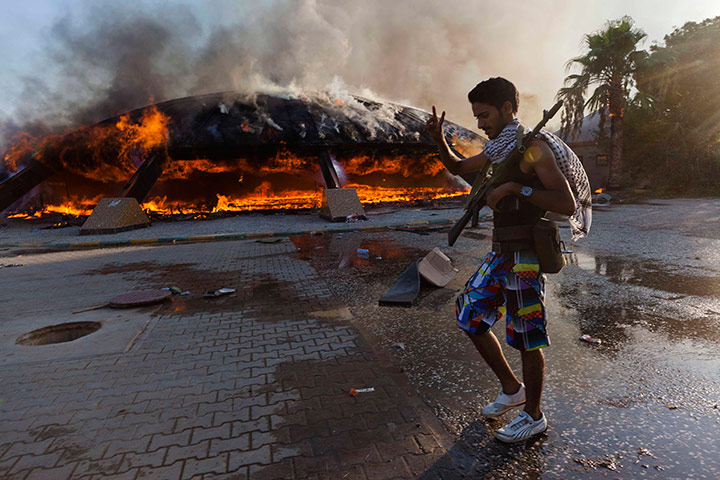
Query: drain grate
{"type": "Point", "coordinates": [64, 332]}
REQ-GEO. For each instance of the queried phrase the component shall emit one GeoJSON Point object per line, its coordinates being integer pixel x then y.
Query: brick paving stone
{"type": "Point", "coordinates": [176, 439]}
{"type": "Point", "coordinates": [258, 439]}
{"type": "Point", "coordinates": [169, 472]}
{"type": "Point", "coordinates": [127, 446]}
{"type": "Point", "coordinates": [239, 474]}
{"type": "Point", "coordinates": [356, 472]}
{"type": "Point", "coordinates": [134, 460]}
{"type": "Point", "coordinates": [368, 454]}
{"type": "Point", "coordinates": [197, 450]}
{"type": "Point", "coordinates": [419, 464]}
{"type": "Point", "coordinates": [229, 415]}
{"type": "Point", "coordinates": [241, 459]}
{"type": "Point", "coordinates": [238, 443]}
{"type": "Point", "coordinates": [128, 475]}
{"type": "Point", "coordinates": [392, 449]}
{"type": "Point", "coordinates": [214, 465]}
{"type": "Point", "coordinates": [22, 448]}
{"type": "Point", "coordinates": [280, 469]}
{"type": "Point", "coordinates": [58, 473]}
{"type": "Point", "coordinates": [104, 467]}
{"type": "Point", "coordinates": [202, 433]}
{"type": "Point", "coordinates": [395, 468]}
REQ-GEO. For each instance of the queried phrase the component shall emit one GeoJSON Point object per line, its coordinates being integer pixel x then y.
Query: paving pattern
{"type": "Point", "coordinates": [249, 385]}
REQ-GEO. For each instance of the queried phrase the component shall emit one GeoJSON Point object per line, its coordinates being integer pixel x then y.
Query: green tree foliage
{"type": "Point", "coordinates": [608, 68]}
{"type": "Point", "coordinates": [673, 123]}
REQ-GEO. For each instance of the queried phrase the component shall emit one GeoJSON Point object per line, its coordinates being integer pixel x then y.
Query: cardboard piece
{"type": "Point", "coordinates": [113, 215]}
{"type": "Point", "coordinates": [436, 268]}
{"type": "Point", "coordinates": [338, 203]}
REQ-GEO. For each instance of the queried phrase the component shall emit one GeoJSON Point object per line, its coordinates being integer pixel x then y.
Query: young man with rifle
{"type": "Point", "coordinates": [533, 173]}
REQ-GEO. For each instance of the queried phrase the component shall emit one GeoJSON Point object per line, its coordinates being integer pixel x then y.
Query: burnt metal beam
{"type": "Point", "coordinates": [328, 170]}
{"type": "Point", "coordinates": [13, 188]}
{"type": "Point", "coordinates": [143, 179]}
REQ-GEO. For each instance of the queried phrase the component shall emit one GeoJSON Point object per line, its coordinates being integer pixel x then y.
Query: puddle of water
{"type": "Point", "coordinates": [342, 251]}
{"type": "Point", "coordinates": [646, 274]}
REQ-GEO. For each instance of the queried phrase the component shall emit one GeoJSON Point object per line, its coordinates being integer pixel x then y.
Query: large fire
{"type": "Point", "coordinates": [284, 180]}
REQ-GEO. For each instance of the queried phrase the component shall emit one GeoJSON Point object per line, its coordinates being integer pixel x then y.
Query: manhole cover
{"type": "Point", "coordinates": [65, 332]}
{"type": "Point", "coordinates": [140, 297]}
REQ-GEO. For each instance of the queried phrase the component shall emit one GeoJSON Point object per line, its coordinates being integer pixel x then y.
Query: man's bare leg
{"type": "Point", "coordinates": [533, 375]}
{"type": "Point", "coordinates": [489, 347]}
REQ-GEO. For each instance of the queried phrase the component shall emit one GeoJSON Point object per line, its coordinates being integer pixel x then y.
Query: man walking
{"type": "Point", "coordinates": [509, 284]}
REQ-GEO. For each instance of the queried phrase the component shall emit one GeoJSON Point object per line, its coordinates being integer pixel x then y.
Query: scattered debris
{"type": "Point", "coordinates": [589, 339]}
{"type": "Point", "coordinates": [363, 252]}
{"type": "Point", "coordinates": [565, 250]}
{"type": "Point", "coordinates": [605, 461]}
{"type": "Point", "coordinates": [355, 391]}
{"type": "Point", "coordinates": [405, 290]}
{"type": "Point", "coordinates": [672, 407]}
{"type": "Point", "coordinates": [135, 298]}
{"type": "Point", "coordinates": [173, 290]}
{"type": "Point", "coordinates": [269, 240]}
{"type": "Point", "coordinates": [354, 217]}
{"type": "Point", "coordinates": [378, 258]}
{"type": "Point", "coordinates": [10, 265]}
{"type": "Point", "coordinates": [644, 451]}
{"type": "Point", "coordinates": [436, 268]}
{"type": "Point", "coordinates": [601, 200]}
{"type": "Point", "coordinates": [219, 292]}
{"type": "Point", "coordinates": [398, 347]}
{"type": "Point", "coordinates": [316, 233]}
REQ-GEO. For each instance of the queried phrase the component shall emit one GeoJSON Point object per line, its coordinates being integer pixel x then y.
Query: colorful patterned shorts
{"type": "Point", "coordinates": [506, 285]}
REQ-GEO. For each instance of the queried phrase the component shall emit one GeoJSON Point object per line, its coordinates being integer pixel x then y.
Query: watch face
{"type": "Point", "coordinates": [526, 191]}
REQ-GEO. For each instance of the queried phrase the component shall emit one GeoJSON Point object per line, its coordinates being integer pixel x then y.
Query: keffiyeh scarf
{"type": "Point", "coordinates": [497, 149]}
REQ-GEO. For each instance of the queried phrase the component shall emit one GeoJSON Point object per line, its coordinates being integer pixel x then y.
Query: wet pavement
{"type": "Point", "coordinates": [643, 403]}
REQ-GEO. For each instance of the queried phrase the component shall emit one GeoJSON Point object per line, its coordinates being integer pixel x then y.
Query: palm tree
{"type": "Point", "coordinates": [608, 65]}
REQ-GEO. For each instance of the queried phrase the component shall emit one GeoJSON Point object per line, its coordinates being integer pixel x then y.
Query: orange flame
{"type": "Point", "coordinates": [112, 148]}
{"type": "Point", "coordinates": [24, 144]}
{"type": "Point", "coordinates": [599, 190]}
{"type": "Point", "coordinates": [404, 165]}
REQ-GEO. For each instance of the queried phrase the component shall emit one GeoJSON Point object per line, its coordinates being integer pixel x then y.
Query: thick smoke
{"type": "Point", "coordinates": [414, 52]}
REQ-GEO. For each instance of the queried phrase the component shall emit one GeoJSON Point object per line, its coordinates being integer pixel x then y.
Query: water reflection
{"type": "Point", "coordinates": [341, 251]}
{"type": "Point", "coordinates": [646, 273]}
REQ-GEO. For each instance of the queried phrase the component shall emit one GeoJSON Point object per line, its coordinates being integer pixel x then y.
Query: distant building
{"type": "Point", "coordinates": [593, 153]}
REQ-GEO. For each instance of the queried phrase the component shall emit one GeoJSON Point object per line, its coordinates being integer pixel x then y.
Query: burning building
{"type": "Point", "coordinates": [235, 152]}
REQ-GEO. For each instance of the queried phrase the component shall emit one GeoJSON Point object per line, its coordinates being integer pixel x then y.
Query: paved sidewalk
{"type": "Point", "coordinates": [250, 385]}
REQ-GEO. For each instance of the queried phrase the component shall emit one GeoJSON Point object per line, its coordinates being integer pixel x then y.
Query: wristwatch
{"type": "Point", "coordinates": [526, 191]}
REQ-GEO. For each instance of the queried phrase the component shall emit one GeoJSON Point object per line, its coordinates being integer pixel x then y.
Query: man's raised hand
{"type": "Point", "coordinates": [434, 125]}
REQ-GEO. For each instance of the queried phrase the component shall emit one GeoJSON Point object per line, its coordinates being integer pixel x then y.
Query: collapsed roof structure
{"type": "Point", "coordinates": [126, 155]}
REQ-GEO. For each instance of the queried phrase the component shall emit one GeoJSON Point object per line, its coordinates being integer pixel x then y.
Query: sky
{"type": "Point", "coordinates": [66, 62]}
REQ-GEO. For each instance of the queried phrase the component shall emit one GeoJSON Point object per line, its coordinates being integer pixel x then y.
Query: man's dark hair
{"type": "Point", "coordinates": [495, 91]}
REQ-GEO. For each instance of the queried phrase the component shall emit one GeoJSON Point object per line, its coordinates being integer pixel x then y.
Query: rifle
{"type": "Point", "coordinates": [500, 174]}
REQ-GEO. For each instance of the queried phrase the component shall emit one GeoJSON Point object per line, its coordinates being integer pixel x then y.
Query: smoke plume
{"type": "Point", "coordinates": [110, 60]}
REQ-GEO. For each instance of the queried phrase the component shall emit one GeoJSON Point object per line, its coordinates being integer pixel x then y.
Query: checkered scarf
{"type": "Point", "coordinates": [497, 149]}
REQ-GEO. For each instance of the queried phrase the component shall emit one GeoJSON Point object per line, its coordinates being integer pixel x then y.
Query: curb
{"type": "Point", "coordinates": [224, 236]}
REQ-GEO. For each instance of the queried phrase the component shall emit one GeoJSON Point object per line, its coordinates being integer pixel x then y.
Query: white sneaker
{"type": "Point", "coordinates": [504, 403]}
{"type": "Point", "coordinates": [522, 428]}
